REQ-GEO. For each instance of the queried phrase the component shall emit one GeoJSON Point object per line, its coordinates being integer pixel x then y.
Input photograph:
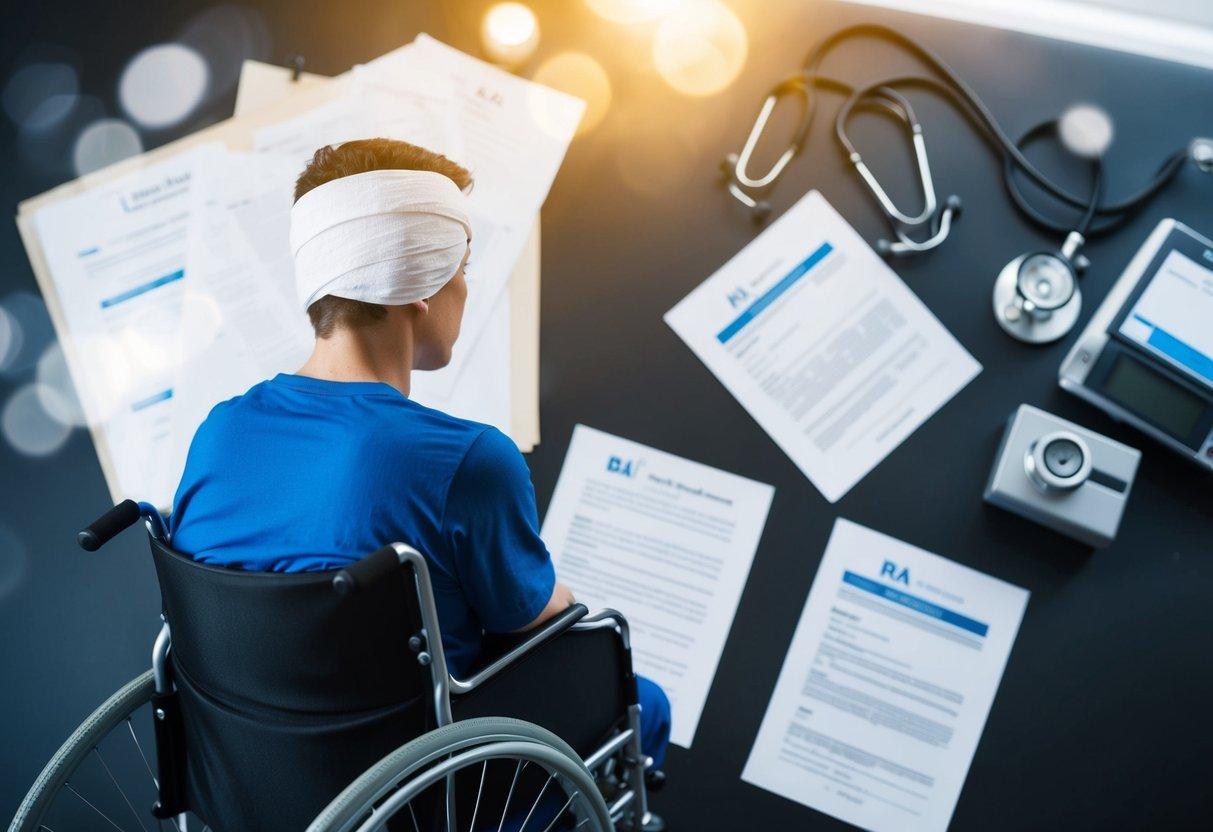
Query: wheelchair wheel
{"type": "Point", "coordinates": [549, 786]}
{"type": "Point", "coordinates": [102, 777]}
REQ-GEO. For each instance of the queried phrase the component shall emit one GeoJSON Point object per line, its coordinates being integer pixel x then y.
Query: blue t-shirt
{"type": "Point", "coordinates": [301, 474]}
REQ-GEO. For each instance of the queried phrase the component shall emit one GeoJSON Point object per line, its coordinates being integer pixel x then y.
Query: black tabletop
{"type": "Point", "coordinates": [1101, 720]}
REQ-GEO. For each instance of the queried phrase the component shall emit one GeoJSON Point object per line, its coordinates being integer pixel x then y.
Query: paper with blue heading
{"type": "Point", "coordinates": [887, 684]}
{"type": "Point", "coordinates": [667, 542]}
{"type": "Point", "coordinates": [817, 338]}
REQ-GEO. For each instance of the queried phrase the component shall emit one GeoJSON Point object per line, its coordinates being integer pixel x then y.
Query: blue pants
{"type": "Point", "coordinates": [654, 720]}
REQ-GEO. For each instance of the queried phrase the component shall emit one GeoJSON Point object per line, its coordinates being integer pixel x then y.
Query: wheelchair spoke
{"type": "Point", "coordinates": [413, 814]}
{"type": "Point", "coordinates": [86, 802]}
{"type": "Point", "coordinates": [517, 770]}
{"type": "Point", "coordinates": [146, 764]}
{"type": "Point", "coordinates": [535, 805]}
{"type": "Point", "coordinates": [118, 786]}
{"type": "Point", "coordinates": [479, 792]}
{"type": "Point", "coordinates": [552, 824]}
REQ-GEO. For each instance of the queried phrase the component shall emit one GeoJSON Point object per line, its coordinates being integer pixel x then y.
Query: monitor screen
{"type": "Point", "coordinates": [1150, 394]}
{"type": "Point", "coordinates": [1173, 318]}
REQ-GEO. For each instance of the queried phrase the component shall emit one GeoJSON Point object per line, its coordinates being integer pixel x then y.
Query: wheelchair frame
{"type": "Point", "coordinates": [630, 807]}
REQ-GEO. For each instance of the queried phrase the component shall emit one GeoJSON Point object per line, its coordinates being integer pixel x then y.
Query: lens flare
{"type": "Point", "coordinates": [577, 74]}
{"type": "Point", "coordinates": [509, 33]}
{"type": "Point", "coordinates": [103, 143]}
{"type": "Point", "coordinates": [631, 11]}
{"type": "Point", "coordinates": [700, 48]}
{"type": "Point", "coordinates": [27, 427]}
{"type": "Point", "coordinates": [653, 158]}
{"type": "Point", "coordinates": [163, 84]}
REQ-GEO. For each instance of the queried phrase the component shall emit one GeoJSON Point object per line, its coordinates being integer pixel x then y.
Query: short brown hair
{"type": "Point", "coordinates": [335, 161]}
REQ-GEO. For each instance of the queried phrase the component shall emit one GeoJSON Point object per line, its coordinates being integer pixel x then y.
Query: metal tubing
{"type": "Point", "coordinates": [164, 642]}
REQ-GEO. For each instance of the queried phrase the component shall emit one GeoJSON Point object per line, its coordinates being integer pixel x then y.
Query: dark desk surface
{"type": "Point", "coordinates": [1101, 721]}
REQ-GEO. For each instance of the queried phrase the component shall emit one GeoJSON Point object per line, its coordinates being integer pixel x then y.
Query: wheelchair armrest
{"type": "Point", "coordinates": [531, 641]}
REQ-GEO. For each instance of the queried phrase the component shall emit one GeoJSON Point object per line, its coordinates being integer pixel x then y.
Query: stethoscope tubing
{"type": "Point", "coordinates": [809, 81]}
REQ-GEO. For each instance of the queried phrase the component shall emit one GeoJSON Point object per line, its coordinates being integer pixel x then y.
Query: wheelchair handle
{"type": "Point", "coordinates": [104, 528]}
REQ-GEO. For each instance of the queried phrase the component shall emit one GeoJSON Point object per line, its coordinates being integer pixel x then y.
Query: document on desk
{"type": "Point", "coordinates": [667, 542]}
{"type": "Point", "coordinates": [117, 257]}
{"type": "Point", "coordinates": [887, 684]}
{"type": "Point", "coordinates": [823, 344]}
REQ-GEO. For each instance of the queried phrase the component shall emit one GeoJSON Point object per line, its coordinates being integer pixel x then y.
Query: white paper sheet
{"type": "Point", "coordinates": [240, 252]}
{"type": "Point", "coordinates": [515, 135]}
{"type": "Point", "coordinates": [667, 542]}
{"type": "Point", "coordinates": [117, 256]}
{"type": "Point", "coordinates": [245, 326]}
{"type": "Point", "coordinates": [823, 344]}
{"type": "Point", "coordinates": [887, 684]}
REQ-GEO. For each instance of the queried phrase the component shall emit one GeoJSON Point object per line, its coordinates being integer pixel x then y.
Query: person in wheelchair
{"type": "Point", "coordinates": [312, 470]}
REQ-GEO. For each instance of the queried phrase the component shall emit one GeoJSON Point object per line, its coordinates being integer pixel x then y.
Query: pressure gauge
{"type": "Point", "coordinates": [1036, 297]}
{"type": "Point", "coordinates": [1046, 282]}
{"type": "Point", "coordinates": [1058, 461]}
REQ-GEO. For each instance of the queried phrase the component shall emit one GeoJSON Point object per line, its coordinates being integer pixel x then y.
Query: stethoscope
{"type": "Point", "coordinates": [1036, 295]}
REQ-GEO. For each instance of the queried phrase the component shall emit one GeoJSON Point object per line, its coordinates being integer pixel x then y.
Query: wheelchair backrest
{"type": "Point", "coordinates": [287, 689]}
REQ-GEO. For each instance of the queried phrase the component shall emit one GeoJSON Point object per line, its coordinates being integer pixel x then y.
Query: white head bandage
{"type": "Point", "coordinates": [385, 236]}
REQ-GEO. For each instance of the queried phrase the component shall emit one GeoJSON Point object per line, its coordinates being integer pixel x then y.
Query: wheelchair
{"type": "Point", "coordinates": [321, 701]}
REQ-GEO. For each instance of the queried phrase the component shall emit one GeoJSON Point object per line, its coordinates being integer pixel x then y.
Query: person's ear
{"type": "Point", "coordinates": [422, 306]}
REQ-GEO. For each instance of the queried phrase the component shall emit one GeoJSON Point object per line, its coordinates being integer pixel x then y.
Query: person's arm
{"type": "Point", "coordinates": [562, 598]}
{"type": "Point", "coordinates": [492, 526]}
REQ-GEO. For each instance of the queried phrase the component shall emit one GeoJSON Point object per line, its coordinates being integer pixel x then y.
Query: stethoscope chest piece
{"type": "Point", "coordinates": [1036, 297]}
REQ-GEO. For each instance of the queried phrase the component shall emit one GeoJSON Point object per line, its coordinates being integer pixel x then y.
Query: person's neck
{"type": "Point", "coordinates": [373, 353]}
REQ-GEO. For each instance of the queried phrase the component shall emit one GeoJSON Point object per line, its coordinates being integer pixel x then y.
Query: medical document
{"type": "Point", "coordinates": [823, 344]}
{"type": "Point", "coordinates": [887, 685]}
{"type": "Point", "coordinates": [117, 254]}
{"type": "Point", "coordinates": [515, 134]}
{"type": "Point", "coordinates": [667, 542]}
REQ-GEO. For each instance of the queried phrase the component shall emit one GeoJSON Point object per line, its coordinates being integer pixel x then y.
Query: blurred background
{"type": "Point", "coordinates": [671, 85]}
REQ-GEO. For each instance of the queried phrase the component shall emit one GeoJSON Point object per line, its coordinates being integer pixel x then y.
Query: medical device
{"type": "Point", "coordinates": [1146, 357]}
{"type": "Point", "coordinates": [1063, 476]}
{"type": "Point", "coordinates": [1036, 296]}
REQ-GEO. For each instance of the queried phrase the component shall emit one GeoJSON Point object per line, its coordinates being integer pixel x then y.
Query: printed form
{"type": "Point", "coordinates": [887, 685]}
{"type": "Point", "coordinates": [823, 344]}
{"type": "Point", "coordinates": [667, 542]}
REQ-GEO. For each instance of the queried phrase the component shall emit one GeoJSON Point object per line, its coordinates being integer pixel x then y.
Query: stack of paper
{"type": "Point", "coordinates": [170, 281]}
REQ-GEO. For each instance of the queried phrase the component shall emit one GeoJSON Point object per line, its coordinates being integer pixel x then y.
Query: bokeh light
{"type": "Point", "coordinates": [226, 36]}
{"type": "Point", "coordinates": [28, 427]}
{"type": "Point", "coordinates": [13, 562]}
{"type": "Point", "coordinates": [577, 74]}
{"type": "Point", "coordinates": [509, 33]}
{"type": "Point", "coordinates": [654, 158]}
{"type": "Point", "coordinates": [40, 95]}
{"type": "Point", "coordinates": [104, 142]}
{"type": "Point", "coordinates": [29, 332]}
{"type": "Point", "coordinates": [48, 153]}
{"type": "Point", "coordinates": [109, 371]}
{"type": "Point", "coordinates": [631, 11]}
{"type": "Point", "coordinates": [163, 84]}
{"type": "Point", "coordinates": [700, 48]}
{"type": "Point", "coordinates": [201, 322]}
{"type": "Point", "coordinates": [55, 390]}
{"type": "Point", "coordinates": [10, 338]}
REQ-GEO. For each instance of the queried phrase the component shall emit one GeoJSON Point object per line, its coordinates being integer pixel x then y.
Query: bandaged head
{"type": "Point", "coordinates": [390, 237]}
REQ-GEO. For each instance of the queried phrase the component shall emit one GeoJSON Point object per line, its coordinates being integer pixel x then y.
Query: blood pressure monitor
{"type": "Point", "coordinates": [1146, 357]}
